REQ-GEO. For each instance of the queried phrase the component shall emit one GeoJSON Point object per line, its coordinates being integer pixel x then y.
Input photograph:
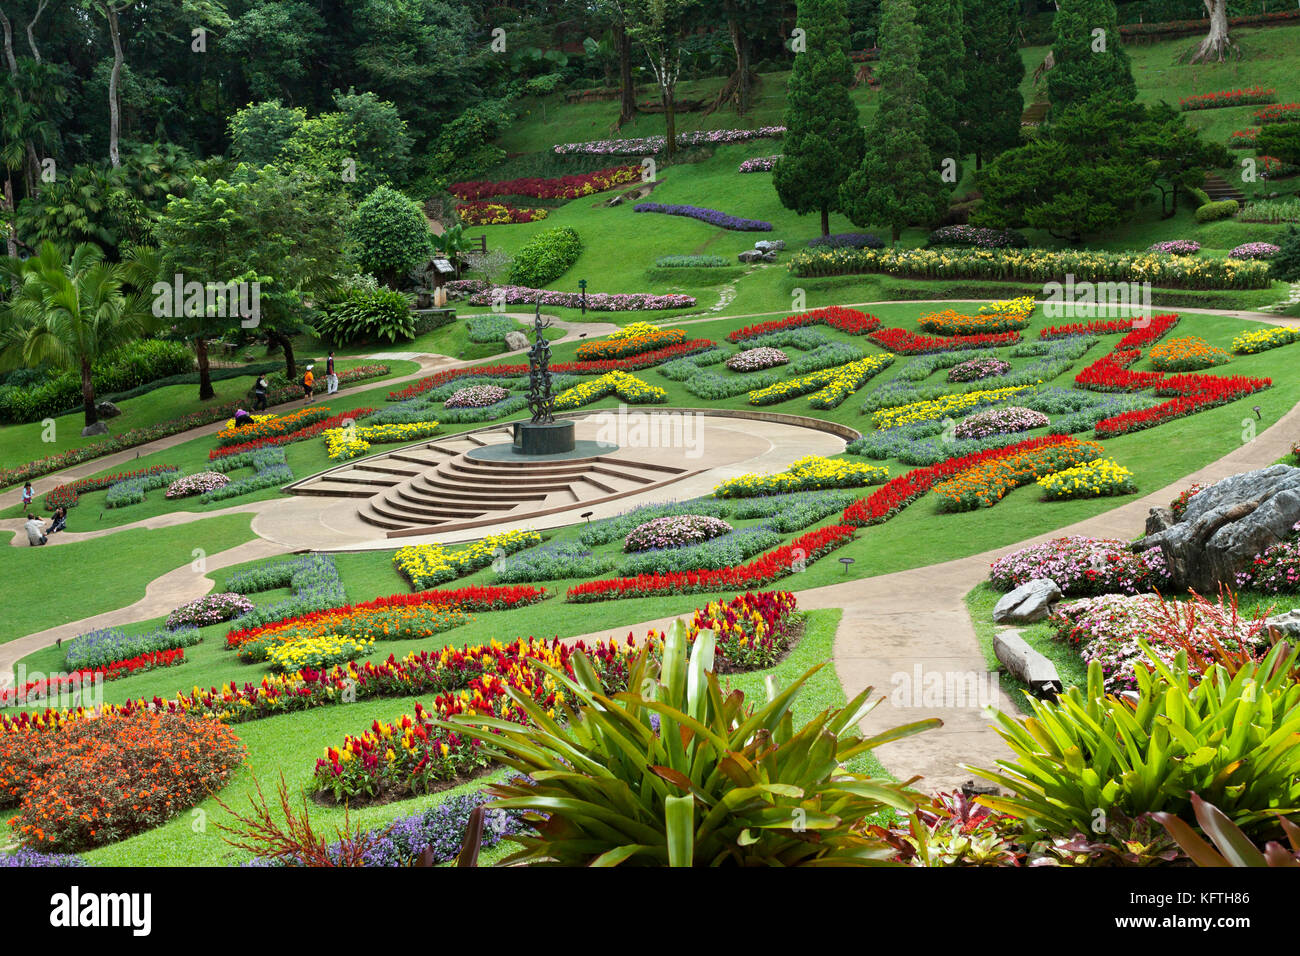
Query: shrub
{"type": "Point", "coordinates": [209, 609]}
{"type": "Point", "coordinates": [1254, 250]}
{"type": "Point", "coordinates": [673, 531]}
{"type": "Point", "coordinates": [1083, 566]}
{"type": "Point", "coordinates": [545, 257]}
{"type": "Point", "coordinates": [92, 782]}
{"type": "Point", "coordinates": [390, 232]}
{"type": "Point", "coordinates": [489, 328]}
{"type": "Point", "coordinates": [1285, 263]}
{"type": "Point", "coordinates": [759, 164]}
{"type": "Point", "coordinates": [1271, 210]}
{"type": "Point", "coordinates": [367, 315]}
{"type": "Point", "coordinates": [1214, 211]}
{"type": "Point", "coordinates": [1176, 247]}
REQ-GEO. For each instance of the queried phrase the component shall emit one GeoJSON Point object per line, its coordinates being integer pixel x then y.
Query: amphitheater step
{"type": "Point", "coordinates": [336, 489]}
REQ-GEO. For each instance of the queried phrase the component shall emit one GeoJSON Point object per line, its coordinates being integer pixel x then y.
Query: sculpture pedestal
{"type": "Point", "coordinates": [551, 438]}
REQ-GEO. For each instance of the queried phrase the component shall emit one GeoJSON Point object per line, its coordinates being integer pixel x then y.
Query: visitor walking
{"type": "Point", "coordinates": [259, 393]}
{"type": "Point", "coordinates": [58, 521]}
{"type": "Point", "coordinates": [35, 530]}
{"type": "Point", "coordinates": [308, 384]}
{"type": "Point", "coordinates": [331, 380]}
{"type": "Point", "coordinates": [27, 494]}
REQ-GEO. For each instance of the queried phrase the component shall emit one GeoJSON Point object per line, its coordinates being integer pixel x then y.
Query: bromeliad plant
{"type": "Point", "coordinates": [679, 773]}
{"type": "Point", "coordinates": [1234, 738]}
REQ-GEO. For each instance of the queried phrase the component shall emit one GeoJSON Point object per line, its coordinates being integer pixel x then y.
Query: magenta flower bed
{"type": "Point", "coordinates": [976, 369]}
{"type": "Point", "coordinates": [596, 301]}
{"type": "Point", "coordinates": [650, 145]}
{"type": "Point", "coordinates": [1081, 565]}
{"type": "Point", "coordinates": [751, 360]}
{"type": "Point", "coordinates": [1276, 570]}
{"type": "Point", "coordinates": [759, 164]}
{"type": "Point", "coordinates": [1254, 250]}
{"type": "Point", "coordinates": [476, 396]}
{"type": "Point", "coordinates": [1000, 421]}
{"type": "Point", "coordinates": [674, 531]}
{"type": "Point", "coordinates": [1176, 247]}
{"type": "Point", "coordinates": [712, 216]}
{"type": "Point", "coordinates": [197, 484]}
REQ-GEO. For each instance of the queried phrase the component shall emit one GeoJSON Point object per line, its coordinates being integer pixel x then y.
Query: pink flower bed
{"type": "Point", "coordinates": [751, 360]}
{"type": "Point", "coordinates": [674, 531]}
{"type": "Point", "coordinates": [978, 368]}
{"type": "Point", "coordinates": [1081, 565]}
{"type": "Point", "coordinates": [476, 396]}
{"type": "Point", "coordinates": [1000, 421]}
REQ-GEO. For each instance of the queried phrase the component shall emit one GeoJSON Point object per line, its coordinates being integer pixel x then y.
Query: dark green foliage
{"type": "Point", "coordinates": [943, 55]}
{"type": "Point", "coordinates": [1214, 211]}
{"type": "Point", "coordinates": [260, 130]}
{"type": "Point", "coordinates": [1281, 140]}
{"type": "Point", "coordinates": [361, 145]}
{"type": "Point", "coordinates": [992, 104]}
{"type": "Point", "coordinates": [390, 233]}
{"type": "Point", "coordinates": [1088, 65]}
{"type": "Point", "coordinates": [824, 141]}
{"type": "Point", "coordinates": [367, 315]}
{"type": "Point", "coordinates": [464, 148]}
{"type": "Point", "coordinates": [546, 257]}
{"type": "Point", "coordinates": [897, 182]}
{"type": "Point", "coordinates": [1286, 264]}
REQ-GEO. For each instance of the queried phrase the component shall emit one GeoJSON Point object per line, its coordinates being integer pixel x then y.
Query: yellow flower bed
{"type": "Point", "coordinates": [830, 386]}
{"type": "Point", "coordinates": [1093, 479]}
{"type": "Point", "coordinates": [946, 406]}
{"type": "Point", "coordinates": [317, 652]}
{"type": "Point", "coordinates": [230, 422]}
{"type": "Point", "coordinates": [427, 565]}
{"type": "Point", "coordinates": [1261, 340]}
{"type": "Point", "coordinates": [633, 330]}
{"type": "Point", "coordinates": [342, 444]}
{"type": "Point", "coordinates": [807, 474]}
{"type": "Point", "coordinates": [1012, 308]}
{"type": "Point", "coordinates": [626, 386]}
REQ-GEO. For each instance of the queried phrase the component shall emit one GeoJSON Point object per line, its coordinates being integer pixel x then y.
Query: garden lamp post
{"type": "Point", "coordinates": [582, 287]}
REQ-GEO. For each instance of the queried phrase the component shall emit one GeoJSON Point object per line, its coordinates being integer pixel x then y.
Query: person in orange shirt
{"type": "Point", "coordinates": [308, 384]}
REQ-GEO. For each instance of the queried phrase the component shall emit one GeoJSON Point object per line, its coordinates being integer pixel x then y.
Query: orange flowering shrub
{"type": "Point", "coordinates": [92, 782]}
{"type": "Point", "coordinates": [630, 345]}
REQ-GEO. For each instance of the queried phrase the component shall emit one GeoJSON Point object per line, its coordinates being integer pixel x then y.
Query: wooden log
{"type": "Point", "coordinates": [1026, 664]}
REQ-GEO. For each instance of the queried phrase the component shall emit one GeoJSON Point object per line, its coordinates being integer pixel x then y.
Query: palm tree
{"type": "Point", "coordinates": [69, 312]}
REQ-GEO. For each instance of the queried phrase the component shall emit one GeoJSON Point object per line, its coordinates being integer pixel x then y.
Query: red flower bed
{"type": "Point", "coordinates": [767, 567]}
{"type": "Point", "coordinates": [1278, 113]}
{"type": "Point", "coordinates": [497, 213]}
{"type": "Point", "coordinates": [67, 496]}
{"type": "Point", "coordinates": [311, 431]}
{"type": "Point", "coordinates": [909, 343]}
{"type": "Point", "coordinates": [1138, 335]}
{"type": "Point", "coordinates": [91, 782]}
{"type": "Point", "coordinates": [837, 317]}
{"type": "Point", "coordinates": [469, 599]}
{"type": "Point", "coordinates": [1194, 393]}
{"type": "Point", "coordinates": [38, 690]}
{"type": "Point", "coordinates": [563, 187]}
{"type": "Point", "coordinates": [1110, 374]}
{"type": "Point", "coordinates": [1209, 101]}
{"type": "Point", "coordinates": [1143, 335]}
{"type": "Point", "coordinates": [895, 495]}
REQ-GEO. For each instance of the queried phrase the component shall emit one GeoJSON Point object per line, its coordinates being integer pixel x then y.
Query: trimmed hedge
{"type": "Point", "coordinates": [546, 257]}
{"type": "Point", "coordinates": [1214, 211]}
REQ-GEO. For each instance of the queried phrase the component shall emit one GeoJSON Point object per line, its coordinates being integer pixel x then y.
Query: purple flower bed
{"type": "Point", "coordinates": [751, 360]}
{"type": "Point", "coordinates": [1176, 247]}
{"type": "Point", "coordinates": [978, 236]}
{"type": "Point", "coordinates": [759, 164]}
{"type": "Point", "coordinates": [1081, 566]}
{"type": "Point", "coordinates": [209, 609]}
{"type": "Point", "coordinates": [25, 857]}
{"type": "Point", "coordinates": [848, 240]}
{"type": "Point", "coordinates": [674, 531]}
{"type": "Point", "coordinates": [1254, 250]}
{"type": "Point", "coordinates": [650, 145]}
{"type": "Point", "coordinates": [596, 301]}
{"type": "Point", "coordinates": [1000, 421]}
{"type": "Point", "coordinates": [977, 369]}
{"type": "Point", "coordinates": [712, 216]}
{"type": "Point", "coordinates": [476, 396]}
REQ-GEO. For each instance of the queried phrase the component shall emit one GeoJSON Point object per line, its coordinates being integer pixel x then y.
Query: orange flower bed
{"type": "Point", "coordinates": [273, 427]}
{"type": "Point", "coordinates": [92, 782]}
{"type": "Point", "coordinates": [985, 485]}
{"type": "Point", "coordinates": [952, 322]}
{"type": "Point", "coordinates": [1187, 354]}
{"type": "Point", "coordinates": [631, 345]}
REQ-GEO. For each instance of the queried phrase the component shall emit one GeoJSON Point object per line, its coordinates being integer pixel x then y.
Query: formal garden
{"type": "Point", "coordinates": [986, 551]}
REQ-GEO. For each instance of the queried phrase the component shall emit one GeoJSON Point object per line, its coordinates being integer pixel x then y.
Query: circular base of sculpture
{"type": "Point", "coordinates": [536, 438]}
{"type": "Point", "coordinates": [506, 452]}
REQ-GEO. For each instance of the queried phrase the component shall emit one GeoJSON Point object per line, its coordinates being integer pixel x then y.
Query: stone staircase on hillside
{"type": "Point", "coordinates": [1034, 113]}
{"type": "Point", "coordinates": [1219, 189]}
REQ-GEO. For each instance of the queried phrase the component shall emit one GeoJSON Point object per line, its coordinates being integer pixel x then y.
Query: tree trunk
{"type": "Point", "coordinates": [627, 89]}
{"type": "Point", "coordinates": [1218, 43]}
{"type": "Point", "coordinates": [206, 390]}
{"type": "Point", "coordinates": [114, 104]}
{"type": "Point", "coordinates": [896, 232]}
{"type": "Point", "coordinates": [11, 234]}
{"type": "Point", "coordinates": [31, 29]}
{"type": "Point", "coordinates": [88, 393]}
{"type": "Point", "coordinates": [282, 340]}
{"type": "Point", "coordinates": [826, 221]}
{"type": "Point", "coordinates": [670, 123]}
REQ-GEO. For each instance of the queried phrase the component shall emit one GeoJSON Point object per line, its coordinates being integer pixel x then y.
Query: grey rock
{"type": "Point", "coordinates": [770, 245]}
{"type": "Point", "coordinates": [107, 410]}
{"type": "Point", "coordinates": [516, 340]}
{"type": "Point", "coordinates": [753, 255]}
{"type": "Point", "coordinates": [99, 428]}
{"type": "Point", "coordinates": [1226, 525]}
{"type": "Point", "coordinates": [1288, 623]}
{"type": "Point", "coordinates": [1030, 602]}
{"type": "Point", "coordinates": [1160, 519]}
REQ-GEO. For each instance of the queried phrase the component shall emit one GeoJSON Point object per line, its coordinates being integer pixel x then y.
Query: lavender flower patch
{"type": "Point", "coordinates": [722, 552]}
{"type": "Point", "coordinates": [1083, 566]}
{"type": "Point", "coordinates": [97, 648]}
{"type": "Point", "coordinates": [899, 392]}
{"type": "Point", "coordinates": [796, 510]}
{"type": "Point", "coordinates": [975, 369]}
{"type": "Point", "coordinates": [132, 490]}
{"type": "Point", "coordinates": [507, 406]}
{"type": "Point", "coordinates": [1176, 247]}
{"type": "Point", "coordinates": [712, 387]}
{"type": "Point", "coordinates": [713, 217]}
{"type": "Point", "coordinates": [616, 527]}
{"type": "Point", "coordinates": [923, 366]}
{"type": "Point", "coordinates": [999, 421]}
{"type": "Point", "coordinates": [596, 301]}
{"type": "Point", "coordinates": [314, 579]}
{"type": "Point", "coordinates": [26, 857]}
{"type": "Point", "coordinates": [270, 469]}
{"type": "Point", "coordinates": [848, 240]}
{"type": "Point", "coordinates": [805, 339]}
{"type": "Point", "coordinates": [553, 562]}
{"type": "Point", "coordinates": [826, 356]}
{"type": "Point", "coordinates": [922, 444]}
{"type": "Point", "coordinates": [1075, 410]}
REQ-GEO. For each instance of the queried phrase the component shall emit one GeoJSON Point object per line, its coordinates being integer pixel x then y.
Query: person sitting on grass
{"type": "Point", "coordinates": [58, 521]}
{"type": "Point", "coordinates": [35, 530]}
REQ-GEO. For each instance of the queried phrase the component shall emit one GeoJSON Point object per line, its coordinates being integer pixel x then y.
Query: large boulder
{"type": "Point", "coordinates": [753, 255]}
{"type": "Point", "coordinates": [516, 340]}
{"type": "Point", "coordinates": [770, 245]}
{"type": "Point", "coordinates": [99, 428]}
{"type": "Point", "coordinates": [1288, 623]}
{"type": "Point", "coordinates": [1226, 525]}
{"type": "Point", "coordinates": [107, 410]}
{"type": "Point", "coordinates": [1030, 602]}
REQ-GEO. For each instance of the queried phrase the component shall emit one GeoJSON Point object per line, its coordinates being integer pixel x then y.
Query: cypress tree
{"type": "Point", "coordinates": [824, 138]}
{"type": "Point", "coordinates": [993, 71]}
{"type": "Point", "coordinates": [942, 55]}
{"type": "Point", "coordinates": [1089, 59]}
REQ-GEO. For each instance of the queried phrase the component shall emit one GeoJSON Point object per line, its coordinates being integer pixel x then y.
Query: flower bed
{"type": "Point", "coordinates": [975, 369]}
{"type": "Point", "coordinates": [209, 609]}
{"type": "Point", "coordinates": [1187, 354]}
{"type": "Point", "coordinates": [552, 562]}
{"type": "Point", "coordinates": [1255, 250]}
{"type": "Point", "coordinates": [1193, 393]}
{"type": "Point", "coordinates": [628, 388]}
{"type": "Point", "coordinates": [977, 236]}
{"type": "Point", "coordinates": [1223, 98]}
{"type": "Point", "coordinates": [769, 567]}
{"type": "Point", "coordinates": [754, 360]}
{"type": "Point", "coordinates": [1094, 479]}
{"type": "Point", "coordinates": [807, 474]}
{"type": "Point", "coordinates": [270, 469]}
{"type": "Point", "coordinates": [1081, 565]}
{"type": "Point", "coordinates": [196, 484]}
{"type": "Point", "coordinates": [595, 301]}
{"type": "Point", "coordinates": [69, 495]}
{"type": "Point", "coordinates": [101, 648]}
{"type": "Point", "coordinates": [497, 213]}
{"type": "Point", "coordinates": [909, 343]}
{"type": "Point", "coordinates": [1271, 210]}
{"type": "Point", "coordinates": [1179, 505]}
{"type": "Point", "coordinates": [850, 321]}
{"type": "Point", "coordinates": [829, 387]}
{"type": "Point", "coordinates": [985, 485]}
{"type": "Point", "coordinates": [650, 145]}
{"type": "Point", "coordinates": [476, 396]}
{"type": "Point", "coordinates": [1139, 331]}
{"type": "Point", "coordinates": [131, 491]}
{"type": "Point", "coordinates": [35, 692]}
{"type": "Point", "coordinates": [847, 240]}
{"type": "Point", "coordinates": [646, 339]}
{"type": "Point", "coordinates": [1034, 265]}
{"type": "Point", "coordinates": [724, 551]}
{"type": "Point", "coordinates": [354, 441]}
{"type": "Point", "coordinates": [758, 164]}
{"type": "Point", "coordinates": [616, 527]}
{"type": "Point", "coordinates": [1013, 318]}
{"type": "Point", "coordinates": [272, 426]}
{"type": "Point", "coordinates": [429, 564]}
{"type": "Point", "coordinates": [713, 217]}
{"type": "Point", "coordinates": [1278, 113]}
{"type": "Point", "coordinates": [1276, 570]}
{"type": "Point", "coordinates": [673, 531]}
{"type": "Point", "coordinates": [91, 782]}
{"type": "Point", "coordinates": [324, 631]}
{"type": "Point", "coordinates": [1176, 247]}
{"type": "Point", "coordinates": [692, 262]}
{"type": "Point", "coordinates": [313, 578]}
{"type": "Point", "coordinates": [1261, 340]}
{"type": "Point", "coordinates": [301, 434]}
{"type": "Point", "coordinates": [1244, 138]}
{"type": "Point", "coordinates": [997, 421]}
{"type": "Point", "coordinates": [328, 650]}
{"type": "Point", "coordinates": [561, 187]}
{"type": "Point", "coordinates": [942, 407]}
